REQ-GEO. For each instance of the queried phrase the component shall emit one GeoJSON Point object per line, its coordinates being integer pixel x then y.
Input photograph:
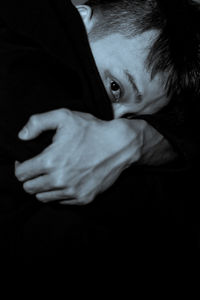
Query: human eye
{"type": "Point", "coordinates": [115, 90]}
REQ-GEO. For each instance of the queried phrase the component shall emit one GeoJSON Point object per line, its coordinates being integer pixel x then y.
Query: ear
{"type": "Point", "coordinates": [86, 14]}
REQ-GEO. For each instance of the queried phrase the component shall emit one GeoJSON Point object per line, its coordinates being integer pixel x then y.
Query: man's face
{"type": "Point", "coordinates": [121, 64]}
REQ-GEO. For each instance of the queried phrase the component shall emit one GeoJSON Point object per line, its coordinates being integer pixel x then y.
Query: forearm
{"type": "Point", "coordinates": [97, 153]}
{"type": "Point", "coordinates": [143, 144]}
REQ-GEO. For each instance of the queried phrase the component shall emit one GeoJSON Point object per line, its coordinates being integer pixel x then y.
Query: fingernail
{"type": "Point", "coordinates": [23, 134]}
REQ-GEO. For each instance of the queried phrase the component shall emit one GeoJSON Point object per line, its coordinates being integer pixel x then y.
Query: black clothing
{"type": "Point", "coordinates": [45, 64]}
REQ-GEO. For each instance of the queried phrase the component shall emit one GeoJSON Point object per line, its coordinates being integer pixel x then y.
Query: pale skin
{"type": "Point", "coordinates": [101, 149]}
{"type": "Point", "coordinates": [122, 61]}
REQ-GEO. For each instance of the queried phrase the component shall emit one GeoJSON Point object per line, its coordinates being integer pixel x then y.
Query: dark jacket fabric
{"type": "Point", "coordinates": [46, 64]}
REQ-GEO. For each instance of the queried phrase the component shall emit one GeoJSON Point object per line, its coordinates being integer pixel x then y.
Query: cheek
{"type": "Point", "coordinates": [145, 107]}
{"type": "Point", "coordinates": [160, 104]}
{"type": "Point", "coordinates": [155, 105]}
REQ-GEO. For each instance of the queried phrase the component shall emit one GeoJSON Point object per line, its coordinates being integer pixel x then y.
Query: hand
{"type": "Point", "coordinates": [85, 158]}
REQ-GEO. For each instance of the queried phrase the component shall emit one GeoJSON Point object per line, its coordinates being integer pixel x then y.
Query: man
{"type": "Point", "coordinates": [36, 49]}
{"type": "Point", "coordinates": [115, 69]}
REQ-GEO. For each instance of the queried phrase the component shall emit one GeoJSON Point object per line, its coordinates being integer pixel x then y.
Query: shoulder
{"type": "Point", "coordinates": [24, 16]}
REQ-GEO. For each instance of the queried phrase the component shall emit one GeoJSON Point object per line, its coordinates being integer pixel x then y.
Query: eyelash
{"type": "Point", "coordinates": [115, 99]}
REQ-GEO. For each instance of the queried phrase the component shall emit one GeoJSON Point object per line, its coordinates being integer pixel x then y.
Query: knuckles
{"type": "Point", "coordinates": [27, 188]}
{"type": "Point", "coordinates": [58, 181]}
{"type": "Point", "coordinates": [47, 163]}
{"type": "Point", "coordinates": [33, 120]}
{"type": "Point", "coordinates": [62, 113]}
{"type": "Point", "coordinates": [84, 201]}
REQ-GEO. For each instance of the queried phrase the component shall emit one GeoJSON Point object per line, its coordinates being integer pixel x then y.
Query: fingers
{"type": "Point", "coordinates": [44, 187]}
{"type": "Point", "coordinates": [72, 202]}
{"type": "Point", "coordinates": [39, 185]}
{"type": "Point", "coordinates": [47, 189]}
{"type": "Point", "coordinates": [31, 168]}
{"type": "Point", "coordinates": [44, 193]}
{"type": "Point", "coordinates": [64, 196]}
{"type": "Point", "coordinates": [55, 195]}
{"type": "Point", "coordinates": [40, 123]}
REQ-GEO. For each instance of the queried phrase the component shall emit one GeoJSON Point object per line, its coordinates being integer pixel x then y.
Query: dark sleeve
{"type": "Point", "coordinates": [23, 88]}
{"type": "Point", "coordinates": [40, 69]}
{"type": "Point", "coordinates": [31, 81]}
{"type": "Point", "coordinates": [19, 80]}
{"type": "Point", "coordinates": [178, 123]}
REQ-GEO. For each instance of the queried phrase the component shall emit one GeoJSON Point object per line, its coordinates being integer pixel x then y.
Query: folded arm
{"type": "Point", "coordinates": [87, 155]}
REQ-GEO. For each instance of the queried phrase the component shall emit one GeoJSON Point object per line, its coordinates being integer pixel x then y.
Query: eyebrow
{"type": "Point", "coordinates": [132, 81]}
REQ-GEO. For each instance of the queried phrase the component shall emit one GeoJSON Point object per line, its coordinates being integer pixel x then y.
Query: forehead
{"type": "Point", "coordinates": [119, 53]}
{"type": "Point", "coordinates": [128, 49]}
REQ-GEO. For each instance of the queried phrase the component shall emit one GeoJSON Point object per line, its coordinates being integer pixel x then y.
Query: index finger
{"type": "Point", "coordinates": [40, 123]}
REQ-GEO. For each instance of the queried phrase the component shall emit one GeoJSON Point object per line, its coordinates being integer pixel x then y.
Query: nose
{"type": "Point", "coordinates": [116, 111]}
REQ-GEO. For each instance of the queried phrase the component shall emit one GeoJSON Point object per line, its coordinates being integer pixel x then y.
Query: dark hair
{"type": "Point", "coordinates": [176, 49]}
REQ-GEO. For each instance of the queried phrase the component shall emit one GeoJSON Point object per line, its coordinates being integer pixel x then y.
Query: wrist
{"type": "Point", "coordinates": [153, 148]}
{"type": "Point", "coordinates": [137, 142]}
{"type": "Point", "coordinates": [129, 139]}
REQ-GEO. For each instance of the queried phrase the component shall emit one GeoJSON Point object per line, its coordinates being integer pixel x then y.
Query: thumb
{"type": "Point", "coordinates": [38, 124]}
